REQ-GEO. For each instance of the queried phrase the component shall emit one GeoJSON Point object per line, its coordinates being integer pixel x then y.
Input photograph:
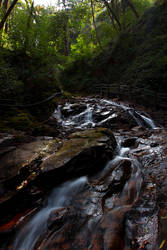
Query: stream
{"type": "Point", "coordinates": [122, 206]}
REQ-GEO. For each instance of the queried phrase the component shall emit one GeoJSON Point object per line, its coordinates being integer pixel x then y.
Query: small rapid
{"type": "Point", "coordinates": [97, 113]}
{"type": "Point", "coordinates": [139, 118]}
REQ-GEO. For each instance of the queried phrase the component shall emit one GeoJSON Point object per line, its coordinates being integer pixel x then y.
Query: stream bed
{"type": "Point", "coordinates": [121, 205]}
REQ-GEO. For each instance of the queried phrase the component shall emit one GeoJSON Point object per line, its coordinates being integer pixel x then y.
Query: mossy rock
{"type": "Point", "coordinates": [84, 152]}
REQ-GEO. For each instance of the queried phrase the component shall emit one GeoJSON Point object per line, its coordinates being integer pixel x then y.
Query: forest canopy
{"type": "Point", "coordinates": [75, 45]}
{"type": "Point", "coordinates": [70, 28]}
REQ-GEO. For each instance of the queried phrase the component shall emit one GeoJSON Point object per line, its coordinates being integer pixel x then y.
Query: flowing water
{"type": "Point", "coordinates": [135, 114]}
{"type": "Point", "coordinates": [113, 199]}
{"type": "Point", "coordinates": [85, 118]}
{"type": "Point", "coordinates": [60, 197]}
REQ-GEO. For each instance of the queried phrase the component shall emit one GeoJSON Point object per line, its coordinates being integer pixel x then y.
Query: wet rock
{"type": "Point", "coordinates": [5, 150]}
{"type": "Point", "coordinates": [14, 161]}
{"type": "Point", "coordinates": [154, 144]}
{"type": "Point", "coordinates": [84, 152]}
{"type": "Point", "coordinates": [137, 129]}
{"type": "Point", "coordinates": [73, 109]}
{"type": "Point", "coordinates": [125, 120]}
{"type": "Point", "coordinates": [6, 140]}
{"type": "Point", "coordinates": [115, 179]}
{"type": "Point", "coordinates": [19, 165]}
{"type": "Point", "coordinates": [129, 142]}
{"type": "Point", "coordinates": [57, 217]}
{"type": "Point", "coordinates": [100, 114]}
{"type": "Point", "coordinates": [109, 121]}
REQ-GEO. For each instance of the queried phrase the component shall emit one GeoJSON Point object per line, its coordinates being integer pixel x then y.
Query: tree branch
{"type": "Point", "coordinates": [7, 14]}
{"type": "Point", "coordinates": [94, 23]}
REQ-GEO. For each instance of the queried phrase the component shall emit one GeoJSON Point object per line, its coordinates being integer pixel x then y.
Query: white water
{"type": "Point", "coordinates": [108, 119]}
{"type": "Point", "coordinates": [81, 120]}
{"type": "Point", "coordinates": [60, 197]}
{"type": "Point", "coordinates": [122, 154]}
{"type": "Point", "coordinates": [148, 121]}
{"type": "Point", "coordinates": [132, 112]}
{"type": "Point", "coordinates": [138, 121]}
{"type": "Point", "coordinates": [58, 113]}
{"type": "Point", "coordinates": [133, 186]}
{"type": "Point", "coordinates": [85, 118]}
{"type": "Point", "coordinates": [89, 112]}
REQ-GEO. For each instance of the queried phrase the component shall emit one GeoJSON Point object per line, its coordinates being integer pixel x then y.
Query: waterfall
{"type": "Point", "coordinates": [85, 119]}
{"type": "Point", "coordinates": [148, 121]}
{"type": "Point", "coordinates": [60, 197]}
{"type": "Point", "coordinates": [139, 118]}
{"type": "Point", "coordinates": [58, 114]}
{"type": "Point", "coordinates": [112, 192]}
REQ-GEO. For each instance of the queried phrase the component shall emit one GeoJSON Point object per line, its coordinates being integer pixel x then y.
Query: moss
{"type": "Point", "coordinates": [22, 121]}
{"type": "Point", "coordinates": [25, 80]}
{"type": "Point", "coordinates": [80, 142]}
{"type": "Point", "coordinates": [67, 95]}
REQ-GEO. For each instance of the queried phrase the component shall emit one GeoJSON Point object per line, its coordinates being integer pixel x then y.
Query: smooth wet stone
{"type": "Point", "coordinates": [84, 151]}
{"type": "Point", "coordinates": [58, 217]}
{"type": "Point", "coordinates": [6, 140]}
{"type": "Point", "coordinates": [14, 161]}
{"type": "Point", "coordinates": [19, 165]}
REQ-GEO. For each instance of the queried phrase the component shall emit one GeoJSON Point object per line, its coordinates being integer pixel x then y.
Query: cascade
{"type": "Point", "coordinates": [112, 193]}
{"type": "Point", "coordinates": [60, 197]}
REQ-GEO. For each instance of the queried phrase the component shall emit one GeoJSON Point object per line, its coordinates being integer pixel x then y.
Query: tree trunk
{"type": "Point", "coordinates": [112, 13]}
{"type": "Point", "coordinates": [131, 5]}
{"type": "Point", "coordinates": [1, 2]}
{"type": "Point", "coordinates": [28, 25]}
{"type": "Point", "coordinates": [6, 6]}
{"type": "Point", "coordinates": [94, 23]}
{"type": "Point", "coordinates": [7, 14]}
{"type": "Point", "coordinates": [66, 41]}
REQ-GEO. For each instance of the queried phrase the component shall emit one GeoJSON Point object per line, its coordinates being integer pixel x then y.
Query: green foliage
{"type": "Point", "coordinates": [46, 49]}
{"type": "Point", "coordinates": [128, 17]}
{"type": "Point", "coordinates": [10, 85]}
{"type": "Point", "coordinates": [30, 32]}
{"type": "Point", "coordinates": [162, 61]}
{"type": "Point", "coordinates": [41, 32]}
{"type": "Point", "coordinates": [22, 121]}
{"type": "Point", "coordinates": [137, 58]}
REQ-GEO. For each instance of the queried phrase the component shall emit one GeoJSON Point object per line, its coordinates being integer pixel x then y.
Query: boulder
{"type": "Point", "coordinates": [83, 153]}
{"type": "Point", "coordinates": [54, 160]}
{"type": "Point", "coordinates": [19, 165]}
{"type": "Point", "coordinates": [12, 163]}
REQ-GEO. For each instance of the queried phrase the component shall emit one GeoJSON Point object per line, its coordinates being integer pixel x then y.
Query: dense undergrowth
{"type": "Point", "coordinates": [25, 80]}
